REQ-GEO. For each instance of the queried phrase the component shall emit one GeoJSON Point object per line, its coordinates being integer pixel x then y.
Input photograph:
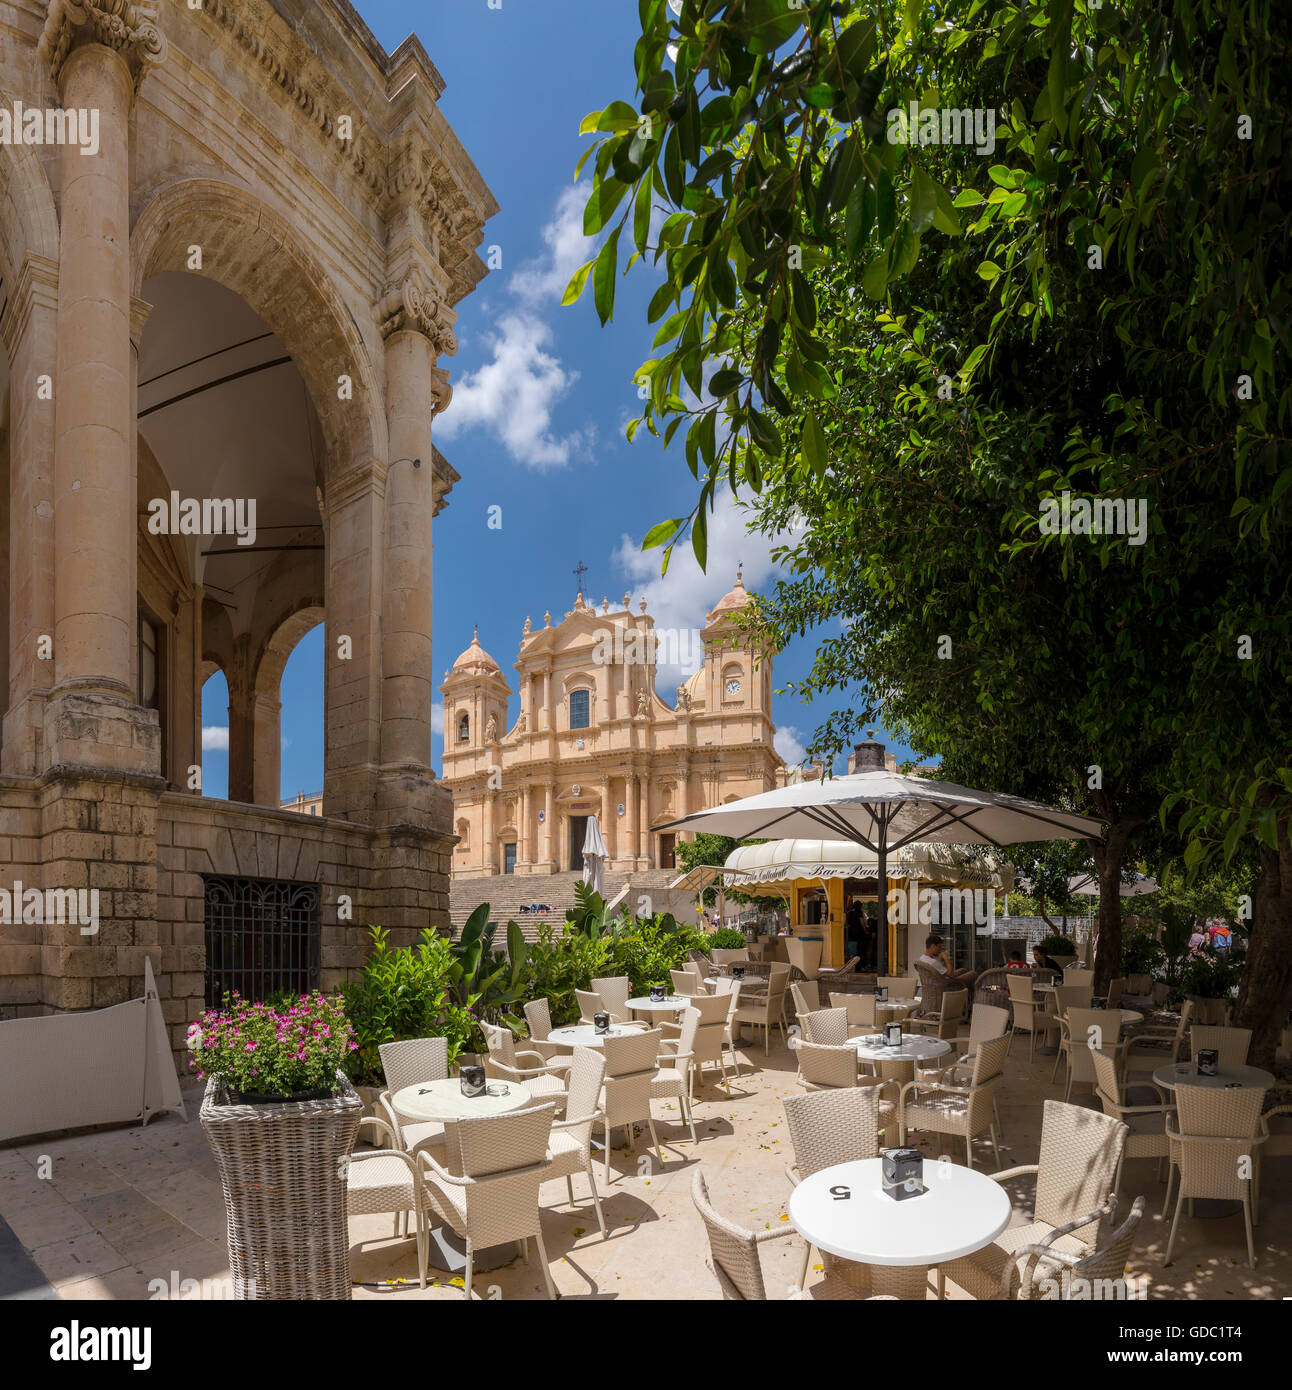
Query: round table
{"type": "Point", "coordinates": [1186, 1074]}
{"type": "Point", "coordinates": [586, 1035]}
{"type": "Point", "coordinates": [845, 1211]}
{"type": "Point", "coordinates": [914, 1048]}
{"type": "Point", "coordinates": [444, 1102]}
{"type": "Point", "coordinates": [1129, 1016]}
{"type": "Point", "coordinates": [670, 1004]}
{"type": "Point", "coordinates": [899, 1008]}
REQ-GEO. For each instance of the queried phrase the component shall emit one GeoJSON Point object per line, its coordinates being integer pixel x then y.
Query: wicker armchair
{"type": "Point", "coordinates": [503, 1160]}
{"type": "Point", "coordinates": [764, 1010]}
{"type": "Point", "coordinates": [946, 1020]}
{"type": "Point", "coordinates": [709, 1046]}
{"type": "Point", "coordinates": [701, 964]}
{"type": "Point", "coordinates": [412, 1063]}
{"type": "Point", "coordinates": [1063, 1268]}
{"type": "Point", "coordinates": [686, 982]}
{"type": "Point", "coordinates": [860, 1009]}
{"type": "Point", "coordinates": [538, 1015]}
{"type": "Point", "coordinates": [1146, 1132]}
{"type": "Point", "coordinates": [1212, 1130]}
{"type": "Point", "coordinates": [631, 1064]}
{"type": "Point", "coordinates": [992, 987]}
{"type": "Point", "coordinates": [733, 1256]}
{"type": "Point", "coordinates": [614, 991]}
{"type": "Point", "coordinates": [826, 1066]}
{"type": "Point", "coordinates": [1028, 1012]}
{"type": "Point", "coordinates": [1157, 1044]}
{"type": "Point", "coordinates": [933, 986]}
{"type": "Point", "coordinates": [1080, 1151]}
{"type": "Point", "coordinates": [388, 1180]}
{"type": "Point", "coordinates": [899, 986]}
{"type": "Point", "coordinates": [570, 1145]}
{"type": "Point", "coordinates": [1078, 1028]}
{"type": "Point", "coordinates": [829, 1128]}
{"type": "Point", "coordinates": [543, 1082]}
{"type": "Point", "coordinates": [1231, 1043]}
{"type": "Point", "coordinates": [672, 1080]}
{"type": "Point", "coordinates": [964, 1110]}
{"type": "Point", "coordinates": [831, 975]}
{"type": "Point", "coordinates": [828, 1026]}
{"type": "Point", "coordinates": [806, 997]}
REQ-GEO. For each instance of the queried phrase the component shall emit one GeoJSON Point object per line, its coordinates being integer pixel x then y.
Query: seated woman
{"type": "Point", "coordinates": [1041, 961]}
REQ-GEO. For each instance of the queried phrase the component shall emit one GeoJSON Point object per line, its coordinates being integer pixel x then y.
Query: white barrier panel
{"type": "Point", "coordinates": [107, 1066]}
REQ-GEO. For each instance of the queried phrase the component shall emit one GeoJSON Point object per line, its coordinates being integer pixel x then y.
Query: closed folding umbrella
{"type": "Point", "coordinates": [594, 858]}
{"type": "Point", "coordinates": [884, 811]}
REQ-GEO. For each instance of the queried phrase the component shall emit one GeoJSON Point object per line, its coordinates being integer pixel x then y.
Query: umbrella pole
{"type": "Point", "coordinates": [882, 873]}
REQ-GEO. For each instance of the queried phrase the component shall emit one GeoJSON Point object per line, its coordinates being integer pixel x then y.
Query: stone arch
{"type": "Point", "coordinates": [251, 250]}
{"type": "Point", "coordinates": [266, 697]}
{"type": "Point", "coordinates": [28, 218]}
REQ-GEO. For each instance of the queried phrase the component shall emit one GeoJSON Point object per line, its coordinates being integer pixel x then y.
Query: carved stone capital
{"type": "Point", "coordinates": [410, 307]}
{"type": "Point", "coordinates": [127, 27]}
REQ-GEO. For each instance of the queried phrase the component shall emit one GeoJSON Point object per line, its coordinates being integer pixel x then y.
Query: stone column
{"type": "Point", "coordinates": [354, 515]}
{"type": "Point", "coordinates": [97, 52]}
{"type": "Point", "coordinates": [31, 339]}
{"type": "Point", "coordinates": [632, 806]}
{"type": "Point", "coordinates": [643, 843]}
{"type": "Point", "coordinates": [523, 844]}
{"type": "Point", "coordinates": [406, 687]}
{"type": "Point", "coordinates": [266, 749]}
{"type": "Point", "coordinates": [242, 727]}
{"type": "Point", "coordinates": [490, 809]}
{"type": "Point", "coordinates": [549, 816]}
{"type": "Point", "coordinates": [545, 676]}
{"type": "Point", "coordinates": [607, 819]}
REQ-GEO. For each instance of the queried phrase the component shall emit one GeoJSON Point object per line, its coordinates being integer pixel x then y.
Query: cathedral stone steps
{"type": "Point", "coordinates": [506, 894]}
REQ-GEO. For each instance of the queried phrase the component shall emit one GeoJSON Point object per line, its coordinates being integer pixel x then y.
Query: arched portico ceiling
{"type": "Point", "coordinates": [249, 249]}
{"type": "Point", "coordinates": [227, 415]}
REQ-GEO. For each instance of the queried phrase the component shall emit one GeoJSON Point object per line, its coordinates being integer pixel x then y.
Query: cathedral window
{"type": "Point", "coordinates": [580, 709]}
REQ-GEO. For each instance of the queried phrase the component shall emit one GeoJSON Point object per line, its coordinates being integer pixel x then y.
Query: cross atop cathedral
{"type": "Point", "coordinates": [579, 571]}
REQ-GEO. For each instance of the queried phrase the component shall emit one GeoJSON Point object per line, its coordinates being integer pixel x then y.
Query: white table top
{"type": "Point", "coordinates": [896, 1005]}
{"type": "Point", "coordinates": [961, 1211]}
{"type": "Point", "coordinates": [914, 1048]}
{"type": "Point", "coordinates": [671, 1003]}
{"type": "Point", "coordinates": [1186, 1074]}
{"type": "Point", "coordinates": [443, 1100]}
{"type": "Point", "coordinates": [586, 1035]}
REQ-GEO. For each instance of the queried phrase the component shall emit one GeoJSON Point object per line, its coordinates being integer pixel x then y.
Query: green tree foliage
{"type": "Point", "coordinates": [913, 347]}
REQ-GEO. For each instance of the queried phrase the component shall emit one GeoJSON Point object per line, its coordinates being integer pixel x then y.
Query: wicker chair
{"type": "Point", "coordinates": [1231, 1043]}
{"type": "Point", "coordinates": [1078, 1029]}
{"type": "Point", "coordinates": [826, 1066]}
{"type": "Point", "coordinates": [733, 1256]}
{"type": "Point", "coordinates": [1028, 1011]}
{"type": "Point", "coordinates": [899, 986]}
{"type": "Point", "coordinates": [1212, 1130]}
{"type": "Point", "coordinates": [1080, 1151]}
{"type": "Point", "coordinates": [1160, 1044]}
{"type": "Point", "coordinates": [709, 1046]}
{"type": "Point", "coordinates": [388, 1180]}
{"type": "Point", "coordinates": [1078, 975]}
{"type": "Point", "coordinates": [686, 982]}
{"type": "Point", "coordinates": [988, 1022]}
{"type": "Point", "coordinates": [538, 1015]}
{"type": "Point", "coordinates": [570, 1145]}
{"type": "Point", "coordinates": [806, 997]}
{"type": "Point", "coordinates": [860, 1009]}
{"type": "Point", "coordinates": [1113, 999]}
{"type": "Point", "coordinates": [933, 985]}
{"type": "Point", "coordinates": [543, 1082]}
{"type": "Point", "coordinates": [412, 1063]}
{"type": "Point", "coordinates": [942, 1108]}
{"type": "Point", "coordinates": [1072, 997]}
{"type": "Point", "coordinates": [730, 989]}
{"type": "Point", "coordinates": [1145, 1124]}
{"type": "Point", "coordinates": [631, 1064]}
{"type": "Point", "coordinates": [614, 991]}
{"type": "Point", "coordinates": [945, 1021]}
{"type": "Point", "coordinates": [830, 1128]}
{"type": "Point", "coordinates": [827, 1026]}
{"type": "Point", "coordinates": [992, 987]}
{"type": "Point", "coordinates": [672, 1080]}
{"type": "Point", "coordinates": [1064, 1268]}
{"type": "Point", "coordinates": [493, 1198]}
{"type": "Point", "coordinates": [729, 955]}
{"type": "Point", "coordinates": [831, 975]}
{"type": "Point", "coordinates": [701, 964]}
{"type": "Point", "coordinates": [766, 1010]}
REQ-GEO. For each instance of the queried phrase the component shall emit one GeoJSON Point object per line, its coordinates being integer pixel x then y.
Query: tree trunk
{"type": "Point", "coordinates": [1109, 856]}
{"type": "Point", "coordinates": [1265, 993]}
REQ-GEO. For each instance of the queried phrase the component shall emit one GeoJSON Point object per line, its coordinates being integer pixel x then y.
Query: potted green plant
{"type": "Point", "coordinates": [1208, 980]}
{"type": "Point", "coordinates": [281, 1118]}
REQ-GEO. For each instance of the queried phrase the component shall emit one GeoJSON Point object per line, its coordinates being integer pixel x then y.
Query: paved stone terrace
{"type": "Point", "coordinates": [128, 1206]}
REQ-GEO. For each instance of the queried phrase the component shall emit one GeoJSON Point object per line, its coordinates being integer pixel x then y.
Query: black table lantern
{"type": "Point", "coordinates": [881, 994]}
{"type": "Point", "coordinates": [737, 972]}
{"type": "Point", "coordinates": [473, 1081]}
{"type": "Point", "coordinates": [656, 994]}
{"type": "Point", "coordinates": [903, 1173]}
{"type": "Point", "coordinates": [1208, 1061]}
{"type": "Point", "coordinates": [892, 1035]}
{"type": "Point", "coordinates": [601, 1022]}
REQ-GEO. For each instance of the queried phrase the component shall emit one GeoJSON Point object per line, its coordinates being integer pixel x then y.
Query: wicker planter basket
{"type": "Point", "coordinates": [285, 1196]}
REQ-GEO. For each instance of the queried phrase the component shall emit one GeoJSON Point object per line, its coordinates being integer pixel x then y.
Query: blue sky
{"type": "Point", "coordinates": [541, 393]}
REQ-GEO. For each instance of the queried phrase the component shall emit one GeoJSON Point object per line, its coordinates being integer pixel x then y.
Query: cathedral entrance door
{"type": "Point", "coordinates": [578, 833]}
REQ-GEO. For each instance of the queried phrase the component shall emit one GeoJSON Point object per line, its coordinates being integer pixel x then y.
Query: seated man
{"type": "Point", "coordinates": [1016, 962]}
{"type": "Point", "coordinates": [933, 957]}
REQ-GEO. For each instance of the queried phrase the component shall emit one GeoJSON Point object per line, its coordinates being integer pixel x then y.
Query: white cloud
{"type": "Point", "coordinates": [789, 744]}
{"type": "Point", "coordinates": [541, 282]}
{"type": "Point", "coordinates": [513, 395]}
{"type": "Point", "coordinates": [214, 739]}
{"type": "Point", "coordinates": [679, 600]}
{"type": "Point", "coordinates": [437, 717]}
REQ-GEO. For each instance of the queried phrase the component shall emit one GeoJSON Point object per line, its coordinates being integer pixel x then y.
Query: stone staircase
{"type": "Point", "coordinates": [506, 894]}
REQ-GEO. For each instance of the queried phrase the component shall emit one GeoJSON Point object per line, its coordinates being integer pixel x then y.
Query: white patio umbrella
{"type": "Point", "coordinates": [883, 811]}
{"type": "Point", "coordinates": [594, 858]}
